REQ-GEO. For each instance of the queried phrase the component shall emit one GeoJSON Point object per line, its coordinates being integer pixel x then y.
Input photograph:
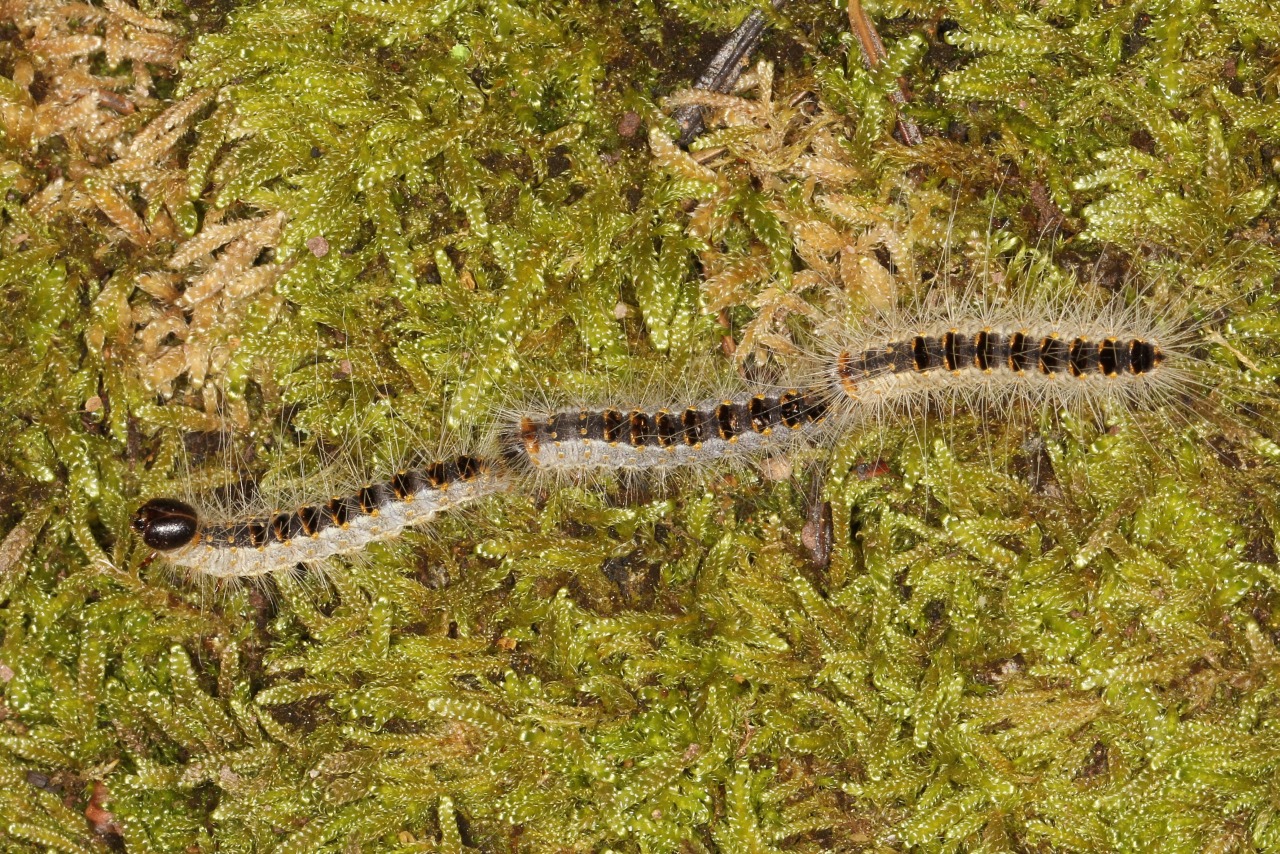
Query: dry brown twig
{"type": "Point", "coordinates": [873, 53]}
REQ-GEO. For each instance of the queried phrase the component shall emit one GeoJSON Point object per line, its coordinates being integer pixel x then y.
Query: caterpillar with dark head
{"type": "Point", "coordinates": [256, 545]}
{"type": "Point", "coordinates": [1032, 356]}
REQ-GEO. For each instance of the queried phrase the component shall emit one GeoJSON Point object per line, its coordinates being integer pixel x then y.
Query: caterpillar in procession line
{"type": "Point", "coordinates": [901, 364]}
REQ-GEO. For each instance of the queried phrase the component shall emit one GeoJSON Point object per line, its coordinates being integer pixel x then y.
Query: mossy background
{"type": "Point", "coordinates": [238, 236]}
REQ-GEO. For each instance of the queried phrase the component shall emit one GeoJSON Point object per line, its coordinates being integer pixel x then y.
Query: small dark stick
{"type": "Point", "coordinates": [722, 72]}
{"type": "Point", "coordinates": [873, 53]}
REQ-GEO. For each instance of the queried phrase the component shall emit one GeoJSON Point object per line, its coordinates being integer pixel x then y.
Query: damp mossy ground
{"type": "Point", "coordinates": [239, 238]}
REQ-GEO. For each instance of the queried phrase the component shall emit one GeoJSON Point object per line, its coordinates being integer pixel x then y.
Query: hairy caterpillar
{"type": "Point", "coordinates": [582, 440]}
{"type": "Point", "coordinates": [575, 441]}
{"type": "Point", "coordinates": [893, 364]}
{"type": "Point", "coordinates": [1034, 356]}
{"type": "Point", "coordinates": [1040, 356]}
{"type": "Point", "coordinates": [343, 524]}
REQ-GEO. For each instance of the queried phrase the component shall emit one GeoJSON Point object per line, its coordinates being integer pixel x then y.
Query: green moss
{"type": "Point", "coordinates": [1057, 634]}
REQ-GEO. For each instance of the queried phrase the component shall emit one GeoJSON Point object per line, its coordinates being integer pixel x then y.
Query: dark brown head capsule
{"type": "Point", "coordinates": [166, 524]}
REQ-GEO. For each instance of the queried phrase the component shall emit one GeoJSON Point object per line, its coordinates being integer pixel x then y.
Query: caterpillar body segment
{"type": "Point", "coordinates": [258, 545]}
{"type": "Point", "coordinates": [1031, 356]}
{"type": "Point", "coordinates": [595, 439]}
{"type": "Point", "coordinates": [1037, 358]}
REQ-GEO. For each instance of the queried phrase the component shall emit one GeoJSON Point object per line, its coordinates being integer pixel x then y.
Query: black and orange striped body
{"type": "Point", "coordinates": [598, 438]}
{"type": "Point", "coordinates": [996, 352]}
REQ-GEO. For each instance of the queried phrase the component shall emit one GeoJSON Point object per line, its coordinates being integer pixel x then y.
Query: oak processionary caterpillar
{"type": "Point", "coordinates": [899, 364]}
{"type": "Point", "coordinates": [1036, 357]}
{"type": "Point", "coordinates": [344, 524]}
{"type": "Point", "coordinates": [568, 442]}
{"type": "Point", "coordinates": [575, 441]}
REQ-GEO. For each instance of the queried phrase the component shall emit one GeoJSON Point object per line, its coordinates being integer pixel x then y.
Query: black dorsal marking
{"type": "Point", "coordinates": [342, 509]}
{"type": "Point", "coordinates": [436, 475]}
{"type": "Point", "coordinates": [1084, 357]}
{"type": "Point", "coordinates": [996, 347]}
{"type": "Point", "coordinates": [1144, 356]}
{"type": "Point", "coordinates": [927, 352]}
{"type": "Point", "coordinates": [643, 432]}
{"type": "Point", "coordinates": [693, 422]}
{"type": "Point", "coordinates": [668, 428]}
{"type": "Point", "coordinates": [613, 424]}
{"type": "Point", "coordinates": [791, 408]}
{"type": "Point", "coordinates": [469, 468]}
{"type": "Point", "coordinates": [982, 349]}
{"type": "Point", "coordinates": [313, 519]}
{"type": "Point", "coordinates": [288, 527]}
{"type": "Point", "coordinates": [758, 409]}
{"type": "Point", "coordinates": [1112, 358]}
{"type": "Point", "coordinates": [1053, 355]}
{"type": "Point", "coordinates": [1023, 353]}
{"type": "Point", "coordinates": [814, 406]}
{"type": "Point", "coordinates": [726, 421]}
{"type": "Point", "coordinates": [958, 350]}
{"type": "Point", "coordinates": [373, 496]}
{"type": "Point", "coordinates": [406, 484]}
